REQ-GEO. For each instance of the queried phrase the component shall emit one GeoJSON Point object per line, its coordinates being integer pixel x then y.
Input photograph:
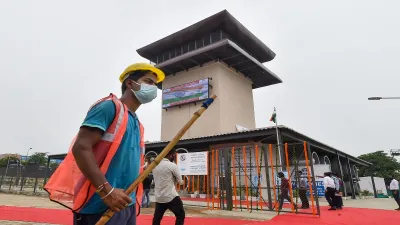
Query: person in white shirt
{"type": "Point", "coordinates": [329, 185]}
{"type": "Point", "coordinates": [394, 187]}
{"type": "Point", "coordinates": [166, 175]}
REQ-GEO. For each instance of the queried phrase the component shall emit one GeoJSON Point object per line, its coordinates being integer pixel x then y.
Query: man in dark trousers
{"type": "Point", "coordinates": [329, 186]}
{"type": "Point", "coordinates": [303, 191]}
{"type": "Point", "coordinates": [284, 190]}
{"type": "Point", "coordinates": [166, 175]}
{"type": "Point", "coordinates": [146, 190]}
{"type": "Point", "coordinates": [336, 179]}
{"type": "Point", "coordinates": [394, 187]}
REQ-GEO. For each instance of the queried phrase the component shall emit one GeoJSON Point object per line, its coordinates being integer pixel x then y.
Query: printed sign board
{"type": "Point", "coordinates": [193, 163]}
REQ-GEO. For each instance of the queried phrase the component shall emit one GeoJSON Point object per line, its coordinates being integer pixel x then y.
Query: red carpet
{"type": "Point", "coordinates": [348, 216]}
{"type": "Point", "coordinates": [64, 217]}
{"type": "Point", "coordinates": [39, 215]}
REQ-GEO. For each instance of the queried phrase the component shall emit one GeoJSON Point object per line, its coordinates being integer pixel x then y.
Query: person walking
{"type": "Point", "coordinates": [303, 191]}
{"type": "Point", "coordinates": [338, 196]}
{"type": "Point", "coordinates": [146, 190]}
{"type": "Point", "coordinates": [329, 186]}
{"type": "Point", "coordinates": [107, 154]}
{"type": "Point", "coordinates": [394, 188]}
{"type": "Point", "coordinates": [284, 191]}
{"type": "Point", "coordinates": [166, 175]}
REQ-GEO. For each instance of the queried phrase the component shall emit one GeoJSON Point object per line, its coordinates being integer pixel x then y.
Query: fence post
{"type": "Point", "coordinates": [341, 174]}
{"type": "Point", "coordinates": [22, 183]}
{"type": "Point", "coordinates": [35, 186]}
{"type": "Point", "coordinates": [228, 182]}
{"type": "Point", "coordinates": [267, 176]}
{"type": "Point", "coordinates": [212, 182]}
{"type": "Point", "coordinates": [289, 179]}
{"type": "Point", "coordinates": [313, 178]}
{"type": "Point", "coordinates": [353, 190]}
{"type": "Point", "coordinates": [47, 170]}
{"type": "Point", "coordinates": [374, 187]}
{"type": "Point", "coordinates": [10, 183]}
{"type": "Point", "coordinates": [273, 179]}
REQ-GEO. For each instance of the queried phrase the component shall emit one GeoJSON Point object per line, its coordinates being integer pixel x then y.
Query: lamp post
{"type": "Point", "coordinates": [22, 169]}
{"type": "Point", "coordinates": [381, 98]}
{"type": "Point", "coordinates": [27, 153]}
{"type": "Point", "coordinates": [395, 152]}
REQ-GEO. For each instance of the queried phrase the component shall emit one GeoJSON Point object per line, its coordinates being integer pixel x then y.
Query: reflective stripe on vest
{"type": "Point", "coordinates": [68, 186]}
{"type": "Point", "coordinates": [139, 191]}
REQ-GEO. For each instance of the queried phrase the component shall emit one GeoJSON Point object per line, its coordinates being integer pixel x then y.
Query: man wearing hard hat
{"type": "Point", "coordinates": [109, 152]}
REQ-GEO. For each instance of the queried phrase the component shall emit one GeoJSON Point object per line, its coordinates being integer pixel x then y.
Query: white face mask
{"type": "Point", "coordinates": [146, 93]}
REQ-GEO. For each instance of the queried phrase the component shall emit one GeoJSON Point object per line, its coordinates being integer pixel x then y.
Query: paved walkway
{"type": "Point", "coordinates": [42, 210]}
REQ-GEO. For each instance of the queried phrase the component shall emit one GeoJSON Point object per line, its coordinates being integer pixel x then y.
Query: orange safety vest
{"type": "Point", "coordinates": [69, 187]}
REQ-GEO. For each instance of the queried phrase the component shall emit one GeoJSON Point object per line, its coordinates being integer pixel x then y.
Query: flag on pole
{"type": "Point", "coordinates": [273, 117]}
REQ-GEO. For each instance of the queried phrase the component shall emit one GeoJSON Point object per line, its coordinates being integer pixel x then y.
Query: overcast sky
{"type": "Point", "coordinates": [59, 57]}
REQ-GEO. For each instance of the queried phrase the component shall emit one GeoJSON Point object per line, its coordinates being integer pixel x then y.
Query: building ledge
{"type": "Point", "coordinates": [225, 51]}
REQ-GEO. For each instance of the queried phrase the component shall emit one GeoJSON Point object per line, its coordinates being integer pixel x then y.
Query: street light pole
{"type": "Point", "coordinates": [22, 168]}
{"type": "Point", "coordinates": [395, 152]}
{"type": "Point", "coordinates": [27, 153]}
{"type": "Point", "coordinates": [380, 98]}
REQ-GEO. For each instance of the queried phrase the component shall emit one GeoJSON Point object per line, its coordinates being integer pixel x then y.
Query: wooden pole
{"type": "Point", "coordinates": [310, 183]}
{"type": "Point", "coordinates": [109, 213]}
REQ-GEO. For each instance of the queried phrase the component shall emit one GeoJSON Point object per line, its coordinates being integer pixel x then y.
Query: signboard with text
{"type": "Point", "coordinates": [193, 163]}
{"type": "Point", "coordinates": [319, 171]}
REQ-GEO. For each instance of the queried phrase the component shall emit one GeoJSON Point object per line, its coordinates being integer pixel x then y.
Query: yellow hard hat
{"type": "Point", "coordinates": [142, 66]}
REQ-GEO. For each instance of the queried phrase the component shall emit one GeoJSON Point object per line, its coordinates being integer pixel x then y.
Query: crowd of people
{"type": "Point", "coordinates": [332, 185]}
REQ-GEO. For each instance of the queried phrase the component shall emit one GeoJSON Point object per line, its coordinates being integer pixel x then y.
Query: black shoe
{"type": "Point", "coordinates": [398, 209]}
{"type": "Point", "coordinates": [332, 208]}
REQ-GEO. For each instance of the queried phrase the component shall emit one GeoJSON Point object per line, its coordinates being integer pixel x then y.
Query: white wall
{"type": "Point", "coordinates": [366, 184]}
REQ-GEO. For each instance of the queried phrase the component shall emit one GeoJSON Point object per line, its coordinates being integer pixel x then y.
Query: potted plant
{"type": "Point", "coordinates": [254, 194]}
{"type": "Point", "coordinates": [194, 194]}
{"type": "Point", "coordinates": [203, 196]}
{"type": "Point", "coordinates": [365, 194]}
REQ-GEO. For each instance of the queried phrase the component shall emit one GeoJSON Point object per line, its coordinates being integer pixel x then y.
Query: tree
{"type": "Point", "coordinates": [383, 165]}
{"type": "Point", "coordinates": [53, 166]}
{"type": "Point", "coordinates": [38, 158]}
{"type": "Point", "coordinates": [4, 161]}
